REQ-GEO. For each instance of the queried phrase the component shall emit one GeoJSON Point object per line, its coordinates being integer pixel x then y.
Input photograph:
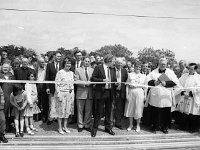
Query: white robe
{"type": "Point", "coordinates": [191, 105]}
{"type": "Point", "coordinates": [160, 96]}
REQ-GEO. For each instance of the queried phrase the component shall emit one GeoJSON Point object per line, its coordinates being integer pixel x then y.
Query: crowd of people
{"type": "Point", "coordinates": [85, 90]}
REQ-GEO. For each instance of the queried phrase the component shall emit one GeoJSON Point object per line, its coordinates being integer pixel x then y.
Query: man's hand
{"type": "Point", "coordinates": [48, 91]}
{"type": "Point", "coordinates": [163, 83]}
{"type": "Point", "coordinates": [157, 82]}
{"type": "Point", "coordinates": [105, 80]}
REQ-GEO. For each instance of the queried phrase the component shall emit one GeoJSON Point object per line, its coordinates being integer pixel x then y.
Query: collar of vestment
{"type": "Point", "coordinates": [161, 71]}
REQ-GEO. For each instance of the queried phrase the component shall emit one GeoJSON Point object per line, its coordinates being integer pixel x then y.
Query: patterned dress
{"type": "Point", "coordinates": [64, 98]}
{"type": "Point", "coordinates": [135, 96]}
{"type": "Point", "coordinates": [31, 107]}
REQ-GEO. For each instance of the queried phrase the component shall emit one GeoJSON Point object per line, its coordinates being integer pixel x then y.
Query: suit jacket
{"type": "Point", "coordinates": [83, 92]}
{"type": "Point", "coordinates": [73, 65]}
{"type": "Point", "coordinates": [124, 76]}
{"type": "Point", "coordinates": [98, 76]}
{"type": "Point", "coordinates": [51, 75]}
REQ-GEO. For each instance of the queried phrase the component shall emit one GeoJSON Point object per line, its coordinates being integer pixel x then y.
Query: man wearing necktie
{"type": "Point", "coordinates": [77, 63]}
{"type": "Point", "coordinates": [51, 71]}
{"type": "Point", "coordinates": [104, 94]}
{"type": "Point", "coordinates": [84, 95]}
{"type": "Point", "coordinates": [122, 76]}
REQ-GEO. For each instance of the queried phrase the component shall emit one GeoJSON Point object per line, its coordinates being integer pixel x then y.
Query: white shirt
{"type": "Point", "coordinates": [78, 63]}
{"type": "Point", "coordinates": [106, 73]}
{"type": "Point", "coordinates": [118, 75]}
{"type": "Point", "coordinates": [41, 74]}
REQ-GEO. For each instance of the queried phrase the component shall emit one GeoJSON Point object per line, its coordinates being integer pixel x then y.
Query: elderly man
{"type": "Point", "coordinates": [22, 72]}
{"type": "Point", "coordinates": [122, 76]}
{"type": "Point", "coordinates": [41, 87]}
{"type": "Point", "coordinates": [183, 69]}
{"type": "Point", "coordinates": [104, 94]}
{"type": "Point", "coordinates": [84, 96]}
{"type": "Point", "coordinates": [160, 98]}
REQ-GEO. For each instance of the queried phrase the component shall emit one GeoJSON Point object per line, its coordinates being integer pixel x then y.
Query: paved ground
{"type": "Point", "coordinates": [49, 138]}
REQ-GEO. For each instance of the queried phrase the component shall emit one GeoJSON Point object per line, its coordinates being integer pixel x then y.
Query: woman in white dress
{"type": "Point", "coordinates": [64, 95]}
{"type": "Point", "coordinates": [135, 97]}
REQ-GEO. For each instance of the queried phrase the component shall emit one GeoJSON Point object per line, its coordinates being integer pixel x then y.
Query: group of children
{"type": "Point", "coordinates": [24, 105]}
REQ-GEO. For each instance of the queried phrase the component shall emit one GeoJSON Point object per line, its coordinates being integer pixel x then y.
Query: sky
{"type": "Point", "coordinates": [49, 31]}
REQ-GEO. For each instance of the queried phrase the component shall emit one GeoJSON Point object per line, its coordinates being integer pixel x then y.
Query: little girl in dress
{"type": "Point", "coordinates": [31, 107]}
{"type": "Point", "coordinates": [19, 101]}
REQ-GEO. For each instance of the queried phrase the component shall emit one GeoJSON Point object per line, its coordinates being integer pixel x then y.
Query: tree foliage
{"type": "Point", "coordinates": [152, 55]}
{"type": "Point", "coordinates": [116, 50]}
{"type": "Point", "coordinates": [14, 51]}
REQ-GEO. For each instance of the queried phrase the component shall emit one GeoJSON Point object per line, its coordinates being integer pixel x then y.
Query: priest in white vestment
{"type": "Point", "coordinates": [189, 104]}
{"type": "Point", "coordinates": [161, 97]}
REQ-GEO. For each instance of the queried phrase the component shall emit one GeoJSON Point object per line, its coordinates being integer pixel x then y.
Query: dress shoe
{"type": "Point", "coordinates": [119, 127]}
{"type": "Point", "coordinates": [165, 131]}
{"type": "Point", "coordinates": [60, 131]}
{"type": "Point", "coordinates": [137, 129]}
{"type": "Point", "coordinates": [93, 132]}
{"type": "Point", "coordinates": [21, 134]}
{"type": "Point", "coordinates": [80, 129]}
{"type": "Point", "coordinates": [49, 122]}
{"type": "Point", "coordinates": [110, 131]}
{"type": "Point", "coordinates": [153, 130]}
{"type": "Point", "coordinates": [88, 129]}
{"type": "Point", "coordinates": [3, 139]}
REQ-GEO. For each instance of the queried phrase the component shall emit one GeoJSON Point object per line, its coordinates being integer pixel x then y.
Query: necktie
{"type": "Point", "coordinates": [109, 79]}
{"type": "Point", "coordinates": [86, 74]}
{"type": "Point", "coordinates": [57, 69]}
{"type": "Point", "coordinates": [77, 65]}
{"type": "Point", "coordinates": [118, 74]}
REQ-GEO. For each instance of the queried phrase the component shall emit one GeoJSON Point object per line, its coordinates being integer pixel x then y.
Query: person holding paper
{"type": "Point", "coordinates": [189, 104]}
{"type": "Point", "coordinates": [160, 98]}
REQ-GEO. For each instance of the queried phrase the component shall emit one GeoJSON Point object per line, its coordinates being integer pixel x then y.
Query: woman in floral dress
{"type": "Point", "coordinates": [64, 96]}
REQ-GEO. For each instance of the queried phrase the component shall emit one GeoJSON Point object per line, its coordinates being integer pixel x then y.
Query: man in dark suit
{"type": "Point", "coordinates": [77, 63]}
{"type": "Point", "coordinates": [51, 70]}
{"type": "Point", "coordinates": [104, 94]}
{"type": "Point", "coordinates": [122, 76]}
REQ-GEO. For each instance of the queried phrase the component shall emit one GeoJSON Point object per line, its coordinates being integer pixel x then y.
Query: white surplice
{"type": "Point", "coordinates": [160, 96]}
{"type": "Point", "coordinates": [190, 105]}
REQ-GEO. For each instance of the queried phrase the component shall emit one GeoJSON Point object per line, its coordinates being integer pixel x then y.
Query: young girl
{"type": "Point", "coordinates": [31, 107]}
{"type": "Point", "coordinates": [19, 101]}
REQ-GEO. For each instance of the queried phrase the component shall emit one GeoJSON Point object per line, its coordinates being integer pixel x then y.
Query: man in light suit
{"type": "Point", "coordinates": [84, 96]}
{"type": "Point", "coordinates": [77, 63]}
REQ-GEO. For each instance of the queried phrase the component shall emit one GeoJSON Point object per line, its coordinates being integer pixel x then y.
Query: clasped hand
{"type": "Point", "coordinates": [157, 82]}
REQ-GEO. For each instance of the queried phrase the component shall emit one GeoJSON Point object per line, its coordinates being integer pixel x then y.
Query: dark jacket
{"type": "Point", "coordinates": [98, 76]}
{"type": "Point", "coordinates": [51, 75]}
{"type": "Point", "coordinates": [124, 76]}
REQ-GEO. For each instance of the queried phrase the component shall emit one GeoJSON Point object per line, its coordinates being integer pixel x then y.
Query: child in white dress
{"type": "Point", "coordinates": [31, 107]}
{"type": "Point", "coordinates": [19, 101]}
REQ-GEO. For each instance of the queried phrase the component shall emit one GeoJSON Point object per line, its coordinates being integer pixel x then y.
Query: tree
{"type": "Point", "coordinates": [151, 55]}
{"type": "Point", "coordinates": [14, 51]}
{"type": "Point", "coordinates": [116, 50]}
